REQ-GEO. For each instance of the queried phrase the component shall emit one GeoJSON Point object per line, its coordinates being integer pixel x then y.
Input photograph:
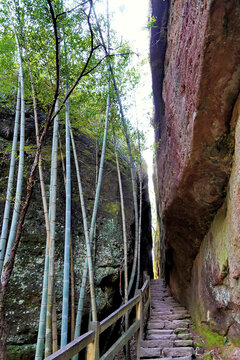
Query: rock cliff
{"type": "Point", "coordinates": [24, 293]}
{"type": "Point", "coordinates": [196, 82]}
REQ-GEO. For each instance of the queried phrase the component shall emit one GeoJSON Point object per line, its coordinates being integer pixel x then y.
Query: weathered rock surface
{"type": "Point", "coordinates": [215, 288]}
{"type": "Point", "coordinates": [195, 133]}
{"type": "Point", "coordinates": [196, 127]}
{"type": "Point", "coordinates": [24, 292]}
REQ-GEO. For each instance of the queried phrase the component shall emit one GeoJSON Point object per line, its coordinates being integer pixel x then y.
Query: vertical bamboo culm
{"type": "Point", "coordinates": [18, 194]}
{"type": "Point", "coordinates": [48, 342]}
{"type": "Point", "coordinates": [4, 231]}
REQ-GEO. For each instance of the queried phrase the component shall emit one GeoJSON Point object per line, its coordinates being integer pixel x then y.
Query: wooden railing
{"type": "Point", "coordinates": [141, 301]}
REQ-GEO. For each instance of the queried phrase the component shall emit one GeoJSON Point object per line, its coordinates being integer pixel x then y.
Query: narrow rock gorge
{"type": "Point", "coordinates": [195, 61]}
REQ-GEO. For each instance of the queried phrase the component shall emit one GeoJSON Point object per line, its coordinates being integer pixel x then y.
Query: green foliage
{"type": "Point", "coordinates": [8, 69]}
{"type": "Point", "coordinates": [210, 338]}
{"type": "Point", "coordinates": [33, 25]}
{"type": "Point", "coordinates": [151, 22]}
{"type": "Point", "coordinates": [24, 352]}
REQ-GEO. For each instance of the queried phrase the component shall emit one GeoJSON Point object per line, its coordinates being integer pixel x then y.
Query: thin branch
{"type": "Point", "coordinates": [95, 66]}
{"type": "Point", "coordinates": [124, 54]}
{"type": "Point", "coordinates": [54, 21]}
{"type": "Point", "coordinates": [73, 9]}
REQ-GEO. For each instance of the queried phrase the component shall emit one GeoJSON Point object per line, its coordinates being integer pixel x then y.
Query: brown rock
{"type": "Point", "coordinates": [194, 134]}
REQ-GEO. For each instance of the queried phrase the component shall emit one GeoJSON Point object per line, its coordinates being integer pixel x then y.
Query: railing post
{"type": "Point", "coordinates": [93, 347]}
{"type": "Point", "coordinates": [145, 276]}
{"type": "Point", "coordinates": [149, 296]}
{"type": "Point", "coordinates": [139, 316]}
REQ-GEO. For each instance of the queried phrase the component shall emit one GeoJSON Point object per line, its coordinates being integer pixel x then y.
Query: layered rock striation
{"type": "Point", "coordinates": [195, 132]}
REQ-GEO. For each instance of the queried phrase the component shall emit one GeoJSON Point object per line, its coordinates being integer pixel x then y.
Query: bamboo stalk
{"type": "Point", "coordinates": [140, 213]}
{"type": "Point", "coordinates": [93, 222]}
{"type": "Point", "coordinates": [43, 311]}
{"type": "Point", "coordinates": [132, 168]}
{"type": "Point", "coordinates": [65, 303]}
{"type": "Point", "coordinates": [71, 253]}
{"type": "Point", "coordinates": [42, 319]}
{"type": "Point", "coordinates": [85, 225]}
{"type": "Point", "coordinates": [42, 325]}
{"type": "Point", "coordinates": [125, 248]}
{"type": "Point", "coordinates": [48, 342]}
{"type": "Point", "coordinates": [18, 194]}
{"type": "Point", "coordinates": [54, 323]}
{"type": "Point", "coordinates": [42, 184]}
{"type": "Point", "coordinates": [72, 290]}
{"type": "Point", "coordinates": [4, 231]}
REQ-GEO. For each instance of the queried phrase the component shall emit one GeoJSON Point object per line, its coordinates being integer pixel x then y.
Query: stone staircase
{"type": "Point", "coordinates": [168, 336]}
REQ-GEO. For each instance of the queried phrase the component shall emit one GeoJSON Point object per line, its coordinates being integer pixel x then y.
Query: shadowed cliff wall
{"type": "Point", "coordinates": [25, 287]}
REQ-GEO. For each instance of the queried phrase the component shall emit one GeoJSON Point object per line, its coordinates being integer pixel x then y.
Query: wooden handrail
{"type": "Point", "coordinates": [91, 338]}
{"type": "Point", "coordinates": [73, 348]}
{"type": "Point", "coordinates": [117, 314]}
{"type": "Point", "coordinates": [118, 345]}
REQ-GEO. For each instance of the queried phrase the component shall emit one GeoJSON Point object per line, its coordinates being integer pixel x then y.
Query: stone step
{"type": "Point", "coordinates": [183, 343]}
{"type": "Point", "coordinates": [178, 351]}
{"type": "Point", "coordinates": [150, 352]}
{"type": "Point", "coordinates": [170, 358]}
{"type": "Point", "coordinates": [168, 335]}
{"type": "Point", "coordinates": [171, 316]}
{"type": "Point", "coordinates": [181, 331]}
{"type": "Point", "coordinates": [157, 343]}
{"type": "Point", "coordinates": [163, 313]}
{"type": "Point", "coordinates": [162, 337]}
{"type": "Point", "coordinates": [175, 324]}
{"type": "Point", "coordinates": [155, 325]}
{"type": "Point", "coordinates": [160, 298]}
{"type": "Point", "coordinates": [186, 336]}
{"type": "Point", "coordinates": [162, 307]}
{"type": "Point", "coordinates": [160, 303]}
{"type": "Point", "coordinates": [160, 331]}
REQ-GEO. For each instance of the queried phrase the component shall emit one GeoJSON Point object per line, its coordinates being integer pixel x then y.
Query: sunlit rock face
{"type": "Point", "coordinates": [195, 141]}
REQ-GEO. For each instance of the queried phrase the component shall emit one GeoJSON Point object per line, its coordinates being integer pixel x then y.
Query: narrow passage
{"type": "Point", "coordinates": [168, 335]}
